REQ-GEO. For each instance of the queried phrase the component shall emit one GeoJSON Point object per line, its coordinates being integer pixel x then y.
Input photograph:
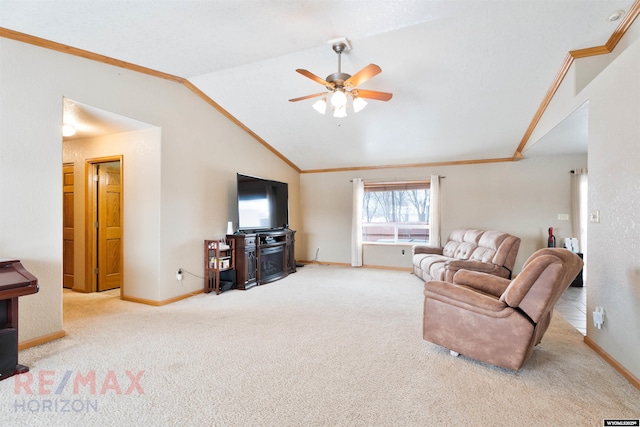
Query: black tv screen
{"type": "Point", "coordinates": [263, 204]}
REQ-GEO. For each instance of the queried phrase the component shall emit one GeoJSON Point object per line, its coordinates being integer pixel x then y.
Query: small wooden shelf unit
{"type": "Point", "coordinates": [219, 257]}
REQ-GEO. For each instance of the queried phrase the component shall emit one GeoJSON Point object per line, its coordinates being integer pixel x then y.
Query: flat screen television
{"type": "Point", "coordinates": [263, 204]}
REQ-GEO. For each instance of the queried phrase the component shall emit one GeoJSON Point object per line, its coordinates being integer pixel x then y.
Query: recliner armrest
{"type": "Point", "coordinates": [423, 249]}
{"type": "Point", "coordinates": [484, 282]}
{"type": "Point", "coordinates": [466, 298]}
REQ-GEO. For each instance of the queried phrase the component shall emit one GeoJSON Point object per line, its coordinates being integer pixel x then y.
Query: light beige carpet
{"type": "Point", "coordinates": [327, 346]}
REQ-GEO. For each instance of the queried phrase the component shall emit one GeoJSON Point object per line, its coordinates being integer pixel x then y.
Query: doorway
{"type": "Point", "coordinates": [104, 213]}
{"type": "Point", "coordinates": [102, 137]}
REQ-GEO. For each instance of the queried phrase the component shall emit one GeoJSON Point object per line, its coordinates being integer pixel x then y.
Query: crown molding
{"type": "Point", "coordinates": [607, 48]}
{"type": "Point", "coordinates": [413, 165]}
{"type": "Point", "coordinates": [59, 47]}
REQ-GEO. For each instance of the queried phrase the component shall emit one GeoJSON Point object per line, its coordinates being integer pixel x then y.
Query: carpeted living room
{"type": "Point", "coordinates": [326, 346]}
{"type": "Point", "coordinates": [409, 263]}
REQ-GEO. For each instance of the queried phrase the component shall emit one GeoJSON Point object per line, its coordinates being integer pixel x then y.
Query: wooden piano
{"type": "Point", "coordinates": [15, 282]}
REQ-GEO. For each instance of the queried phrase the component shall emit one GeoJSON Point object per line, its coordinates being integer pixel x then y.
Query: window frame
{"type": "Point", "coordinates": [397, 186]}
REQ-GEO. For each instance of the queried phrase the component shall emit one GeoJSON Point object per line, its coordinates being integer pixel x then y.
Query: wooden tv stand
{"type": "Point", "coordinates": [263, 257]}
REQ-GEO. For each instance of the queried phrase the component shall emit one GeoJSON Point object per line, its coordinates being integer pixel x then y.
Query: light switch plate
{"type": "Point", "coordinates": [595, 216]}
{"type": "Point", "coordinates": [563, 217]}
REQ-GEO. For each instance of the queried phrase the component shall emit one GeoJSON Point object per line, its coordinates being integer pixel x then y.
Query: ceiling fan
{"type": "Point", "coordinates": [341, 86]}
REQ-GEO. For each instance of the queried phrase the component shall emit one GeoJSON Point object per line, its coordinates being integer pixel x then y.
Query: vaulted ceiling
{"type": "Point", "coordinates": [467, 76]}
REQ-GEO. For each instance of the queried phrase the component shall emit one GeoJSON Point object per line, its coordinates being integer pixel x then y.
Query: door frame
{"type": "Point", "coordinates": [91, 234]}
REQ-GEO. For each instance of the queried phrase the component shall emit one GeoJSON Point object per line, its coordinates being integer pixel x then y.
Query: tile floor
{"type": "Point", "coordinates": [573, 308]}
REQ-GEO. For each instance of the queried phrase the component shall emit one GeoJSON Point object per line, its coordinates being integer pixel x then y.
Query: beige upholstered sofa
{"type": "Point", "coordinates": [491, 252]}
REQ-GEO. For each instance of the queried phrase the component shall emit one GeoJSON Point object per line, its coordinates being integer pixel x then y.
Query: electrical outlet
{"type": "Point", "coordinates": [179, 274]}
{"type": "Point", "coordinates": [598, 317]}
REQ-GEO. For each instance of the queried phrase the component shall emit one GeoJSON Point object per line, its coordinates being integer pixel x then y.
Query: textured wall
{"type": "Point", "coordinates": [614, 190]}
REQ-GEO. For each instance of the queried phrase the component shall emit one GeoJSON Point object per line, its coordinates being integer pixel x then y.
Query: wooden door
{"type": "Point", "coordinates": [67, 225]}
{"type": "Point", "coordinates": [109, 226]}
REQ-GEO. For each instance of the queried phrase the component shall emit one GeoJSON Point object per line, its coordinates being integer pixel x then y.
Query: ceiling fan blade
{"type": "Point", "coordinates": [363, 75]}
{"type": "Point", "coordinates": [302, 98]}
{"type": "Point", "coordinates": [372, 94]}
{"type": "Point", "coordinates": [312, 76]}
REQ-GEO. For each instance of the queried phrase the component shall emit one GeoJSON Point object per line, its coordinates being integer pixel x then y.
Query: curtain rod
{"type": "Point", "coordinates": [413, 180]}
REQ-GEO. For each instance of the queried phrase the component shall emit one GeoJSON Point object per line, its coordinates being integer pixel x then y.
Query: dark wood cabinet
{"type": "Point", "coordinates": [246, 260]}
{"type": "Point", "coordinates": [578, 281]}
{"type": "Point", "coordinates": [290, 253]}
{"type": "Point", "coordinates": [263, 257]}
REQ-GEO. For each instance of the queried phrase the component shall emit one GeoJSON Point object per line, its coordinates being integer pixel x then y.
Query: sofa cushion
{"type": "Point", "coordinates": [462, 243]}
{"type": "Point", "coordinates": [434, 265]}
{"type": "Point", "coordinates": [483, 254]}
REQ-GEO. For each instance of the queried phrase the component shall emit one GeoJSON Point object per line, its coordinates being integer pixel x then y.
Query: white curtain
{"type": "Point", "coordinates": [579, 188]}
{"type": "Point", "coordinates": [356, 222]}
{"type": "Point", "coordinates": [434, 212]}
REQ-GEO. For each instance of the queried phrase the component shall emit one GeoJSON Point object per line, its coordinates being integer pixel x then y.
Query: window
{"type": "Point", "coordinates": [396, 212]}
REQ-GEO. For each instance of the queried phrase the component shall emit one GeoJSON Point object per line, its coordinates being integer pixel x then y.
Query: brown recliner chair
{"type": "Point", "coordinates": [495, 320]}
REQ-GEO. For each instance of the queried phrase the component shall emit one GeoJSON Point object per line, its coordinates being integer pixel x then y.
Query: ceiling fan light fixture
{"type": "Point", "coordinates": [339, 99]}
{"type": "Point", "coordinates": [321, 105]}
{"type": "Point", "coordinates": [358, 104]}
{"type": "Point", "coordinates": [340, 111]}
